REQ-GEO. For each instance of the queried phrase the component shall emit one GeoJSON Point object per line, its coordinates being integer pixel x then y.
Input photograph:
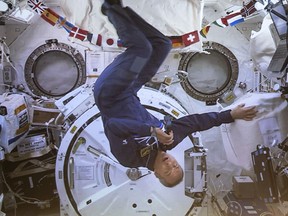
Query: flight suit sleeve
{"type": "Point", "coordinates": [189, 124]}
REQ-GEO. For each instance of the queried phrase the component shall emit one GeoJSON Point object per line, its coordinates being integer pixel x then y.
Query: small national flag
{"type": "Point", "coordinates": [119, 43]}
{"type": "Point", "coordinates": [234, 18]}
{"type": "Point", "coordinates": [37, 6]}
{"type": "Point", "coordinates": [50, 16]}
{"type": "Point", "coordinates": [111, 42]}
{"type": "Point", "coordinates": [221, 22]}
{"type": "Point", "coordinates": [78, 33]}
{"type": "Point", "coordinates": [94, 39]}
{"type": "Point", "coordinates": [190, 38]}
{"type": "Point", "coordinates": [248, 9]}
{"type": "Point", "coordinates": [204, 31]}
{"type": "Point", "coordinates": [62, 22]}
{"type": "Point", "coordinates": [176, 41]}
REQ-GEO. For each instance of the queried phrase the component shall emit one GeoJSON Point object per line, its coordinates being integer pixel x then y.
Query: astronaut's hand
{"type": "Point", "coordinates": [245, 113]}
{"type": "Point", "coordinates": [164, 138]}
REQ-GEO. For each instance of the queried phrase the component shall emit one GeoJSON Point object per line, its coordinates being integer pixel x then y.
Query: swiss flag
{"type": "Point", "coordinates": [190, 38]}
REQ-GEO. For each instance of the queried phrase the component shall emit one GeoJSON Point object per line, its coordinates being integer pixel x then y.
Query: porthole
{"type": "Point", "coordinates": [208, 75]}
{"type": "Point", "coordinates": [54, 69]}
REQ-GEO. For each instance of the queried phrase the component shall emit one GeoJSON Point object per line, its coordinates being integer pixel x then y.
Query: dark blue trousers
{"type": "Point", "coordinates": [146, 49]}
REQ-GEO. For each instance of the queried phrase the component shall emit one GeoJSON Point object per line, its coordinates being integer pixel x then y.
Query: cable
{"type": "Point", "coordinates": [214, 187]}
{"type": "Point", "coordinates": [29, 200]}
{"type": "Point", "coordinates": [6, 85]}
{"type": "Point", "coordinates": [219, 209]}
{"type": "Point", "coordinates": [284, 171]}
{"type": "Point", "coordinates": [47, 130]}
{"type": "Point", "coordinates": [253, 89]}
{"type": "Point", "coordinates": [214, 196]}
{"type": "Point", "coordinates": [58, 118]}
{"type": "Point", "coordinates": [285, 157]}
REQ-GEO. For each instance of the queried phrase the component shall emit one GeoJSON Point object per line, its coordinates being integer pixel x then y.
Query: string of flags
{"type": "Point", "coordinates": [231, 19]}
{"type": "Point", "coordinates": [185, 40]}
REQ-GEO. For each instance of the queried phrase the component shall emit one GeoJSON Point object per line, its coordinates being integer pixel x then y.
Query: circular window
{"type": "Point", "coordinates": [208, 75]}
{"type": "Point", "coordinates": [54, 69]}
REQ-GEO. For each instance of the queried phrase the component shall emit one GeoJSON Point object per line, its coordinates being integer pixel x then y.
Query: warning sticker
{"type": "Point", "coordinates": [84, 172]}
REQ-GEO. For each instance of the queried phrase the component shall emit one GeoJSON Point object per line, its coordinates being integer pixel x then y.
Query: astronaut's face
{"type": "Point", "coordinates": [167, 169]}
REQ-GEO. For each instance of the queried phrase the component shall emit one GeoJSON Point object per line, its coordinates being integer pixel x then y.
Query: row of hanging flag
{"type": "Point", "coordinates": [232, 19]}
{"type": "Point", "coordinates": [177, 41]}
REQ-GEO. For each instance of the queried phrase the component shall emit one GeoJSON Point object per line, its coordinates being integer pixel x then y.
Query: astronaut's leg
{"type": "Point", "coordinates": [119, 76]}
{"type": "Point", "coordinates": [161, 45]}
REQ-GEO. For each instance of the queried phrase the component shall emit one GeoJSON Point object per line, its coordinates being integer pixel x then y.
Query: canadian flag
{"type": "Point", "coordinates": [190, 38]}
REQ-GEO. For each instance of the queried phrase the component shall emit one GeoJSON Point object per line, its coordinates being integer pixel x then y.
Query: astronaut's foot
{"type": "Point", "coordinates": [108, 3]}
{"type": "Point", "coordinates": [104, 9]}
{"type": "Point", "coordinates": [113, 2]}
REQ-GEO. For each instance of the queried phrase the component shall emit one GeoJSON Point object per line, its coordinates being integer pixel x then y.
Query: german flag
{"type": "Point", "coordinates": [204, 31]}
{"type": "Point", "coordinates": [176, 41]}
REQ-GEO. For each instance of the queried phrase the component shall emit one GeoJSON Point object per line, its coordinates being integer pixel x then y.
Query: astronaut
{"type": "Point", "coordinates": [136, 137]}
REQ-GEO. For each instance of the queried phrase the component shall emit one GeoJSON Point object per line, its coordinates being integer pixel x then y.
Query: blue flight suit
{"type": "Point", "coordinates": [126, 122]}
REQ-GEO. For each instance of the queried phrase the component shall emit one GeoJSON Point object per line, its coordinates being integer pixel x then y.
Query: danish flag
{"type": "Point", "coordinates": [78, 33]}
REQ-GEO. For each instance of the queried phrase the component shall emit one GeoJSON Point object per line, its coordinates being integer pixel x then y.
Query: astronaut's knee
{"type": "Point", "coordinates": [141, 57]}
{"type": "Point", "coordinates": [147, 49]}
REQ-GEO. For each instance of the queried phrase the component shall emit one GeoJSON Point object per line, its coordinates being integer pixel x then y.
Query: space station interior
{"type": "Point", "coordinates": [53, 149]}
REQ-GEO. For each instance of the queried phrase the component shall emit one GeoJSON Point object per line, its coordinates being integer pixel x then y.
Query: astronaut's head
{"type": "Point", "coordinates": [167, 169]}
